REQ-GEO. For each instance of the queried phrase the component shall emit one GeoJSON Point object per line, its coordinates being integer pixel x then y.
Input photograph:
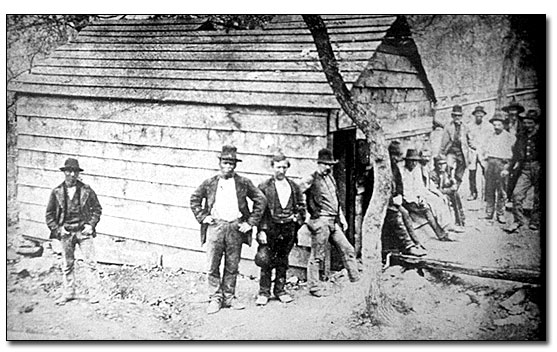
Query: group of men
{"type": "Point", "coordinates": [510, 146]}
{"type": "Point", "coordinates": [507, 150]}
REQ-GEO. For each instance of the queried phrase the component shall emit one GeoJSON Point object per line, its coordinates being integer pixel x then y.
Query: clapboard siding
{"type": "Point", "coordinates": [216, 117]}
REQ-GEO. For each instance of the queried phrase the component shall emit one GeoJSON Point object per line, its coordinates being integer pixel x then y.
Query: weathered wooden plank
{"type": "Point", "coordinates": [249, 76]}
{"type": "Point", "coordinates": [227, 56]}
{"type": "Point", "coordinates": [331, 22]}
{"type": "Point", "coordinates": [311, 123]}
{"type": "Point", "coordinates": [524, 275]}
{"type": "Point", "coordinates": [228, 66]}
{"type": "Point", "coordinates": [309, 101]}
{"type": "Point", "coordinates": [391, 62]}
{"type": "Point", "coordinates": [187, 84]}
{"type": "Point", "coordinates": [156, 155]}
{"type": "Point", "coordinates": [161, 136]}
{"type": "Point", "coordinates": [164, 31]}
{"type": "Point", "coordinates": [209, 47]}
{"type": "Point", "coordinates": [387, 79]}
{"type": "Point", "coordinates": [303, 36]}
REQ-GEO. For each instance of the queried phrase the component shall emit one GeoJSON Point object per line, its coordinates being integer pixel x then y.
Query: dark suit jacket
{"type": "Point", "coordinates": [56, 208]}
{"type": "Point", "coordinates": [244, 189]}
{"type": "Point", "coordinates": [269, 190]}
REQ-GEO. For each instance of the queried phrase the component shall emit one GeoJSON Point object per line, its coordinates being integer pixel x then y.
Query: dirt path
{"type": "Point", "coordinates": [168, 304]}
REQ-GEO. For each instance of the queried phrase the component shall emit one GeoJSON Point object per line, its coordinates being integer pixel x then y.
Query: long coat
{"type": "Point", "coordinates": [466, 140]}
{"type": "Point", "coordinates": [57, 207]}
{"type": "Point", "coordinates": [244, 189]}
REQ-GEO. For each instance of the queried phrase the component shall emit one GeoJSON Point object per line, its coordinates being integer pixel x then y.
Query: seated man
{"type": "Point", "coordinates": [418, 199]}
{"type": "Point", "coordinates": [445, 182]}
{"type": "Point", "coordinates": [395, 227]}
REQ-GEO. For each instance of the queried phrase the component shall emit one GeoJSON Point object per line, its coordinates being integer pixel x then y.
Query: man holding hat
{"type": "Point", "coordinates": [326, 221]}
{"type": "Point", "coordinates": [284, 214]}
{"type": "Point", "coordinates": [455, 143]}
{"type": "Point", "coordinates": [220, 205]}
{"type": "Point", "coordinates": [72, 214]}
{"type": "Point", "coordinates": [497, 153]}
{"type": "Point", "coordinates": [479, 132]}
{"type": "Point", "coordinates": [526, 163]}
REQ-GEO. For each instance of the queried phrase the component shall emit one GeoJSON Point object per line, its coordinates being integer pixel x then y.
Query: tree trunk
{"type": "Point", "coordinates": [378, 306]}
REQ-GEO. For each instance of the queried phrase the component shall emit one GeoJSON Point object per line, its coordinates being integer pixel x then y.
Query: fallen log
{"type": "Point", "coordinates": [524, 275]}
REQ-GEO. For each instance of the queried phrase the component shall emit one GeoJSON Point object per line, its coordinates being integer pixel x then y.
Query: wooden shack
{"type": "Point", "coordinates": [146, 106]}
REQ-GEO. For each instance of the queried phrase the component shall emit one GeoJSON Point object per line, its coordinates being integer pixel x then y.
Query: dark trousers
{"type": "Point", "coordinates": [455, 159]}
{"type": "Point", "coordinates": [495, 184]}
{"type": "Point", "coordinates": [456, 204]}
{"type": "Point", "coordinates": [472, 177]}
{"type": "Point", "coordinates": [529, 177]}
{"type": "Point", "coordinates": [395, 230]}
{"type": "Point", "coordinates": [223, 239]}
{"type": "Point", "coordinates": [280, 238]}
{"type": "Point", "coordinates": [425, 211]}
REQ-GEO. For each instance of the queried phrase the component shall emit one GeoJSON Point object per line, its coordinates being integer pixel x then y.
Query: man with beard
{"type": "Point", "coordinates": [497, 154]}
{"type": "Point", "coordinates": [326, 221]}
{"type": "Point", "coordinates": [526, 163]}
{"type": "Point", "coordinates": [284, 213]}
{"type": "Point", "coordinates": [220, 206]}
{"type": "Point", "coordinates": [72, 214]}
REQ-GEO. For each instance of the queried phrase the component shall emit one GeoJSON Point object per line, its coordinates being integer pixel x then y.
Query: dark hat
{"type": "Point", "coordinates": [440, 159]}
{"type": "Point", "coordinates": [457, 110]}
{"type": "Point", "coordinates": [71, 164]}
{"type": "Point", "coordinates": [394, 148]}
{"type": "Point", "coordinates": [477, 109]}
{"type": "Point", "coordinates": [279, 157]}
{"type": "Point", "coordinates": [263, 256]}
{"type": "Point", "coordinates": [228, 153]}
{"type": "Point", "coordinates": [497, 116]}
{"type": "Point", "coordinates": [513, 106]}
{"type": "Point", "coordinates": [532, 114]}
{"type": "Point", "coordinates": [325, 156]}
{"type": "Point", "coordinates": [412, 154]}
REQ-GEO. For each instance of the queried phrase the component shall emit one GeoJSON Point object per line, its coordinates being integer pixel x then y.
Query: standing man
{"type": "Point", "coordinates": [326, 220]}
{"type": "Point", "coordinates": [497, 154]}
{"type": "Point", "coordinates": [455, 143]}
{"type": "Point", "coordinates": [72, 214]}
{"type": "Point", "coordinates": [513, 126]}
{"type": "Point", "coordinates": [479, 132]}
{"type": "Point", "coordinates": [284, 213]}
{"type": "Point", "coordinates": [220, 205]}
{"type": "Point", "coordinates": [526, 163]}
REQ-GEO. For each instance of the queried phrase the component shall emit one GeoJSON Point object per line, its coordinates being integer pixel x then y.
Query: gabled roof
{"type": "Point", "coordinates": [170, 60]}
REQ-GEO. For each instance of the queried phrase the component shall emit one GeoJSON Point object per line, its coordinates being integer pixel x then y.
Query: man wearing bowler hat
{"type": "Point", "coordinates": [479, 132]}
{"type": "Point", "coordinates": [455, 144]}
{"type": "Point", "coordinates": [326, 221]}
{"type": "Point", "coordinates": [282, 218]}
{"type": "Point", "coordinates": [72, 214]}
{"type": "Point", "coordinates": [526, 163]}
{"type": "Point", "coordinates": [220, 206]}
{"type": "Point", "coordinates": [497, 154]}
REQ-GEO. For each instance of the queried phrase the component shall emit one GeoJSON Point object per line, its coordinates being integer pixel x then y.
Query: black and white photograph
{"type": "Point", "coordinates": [287, 177]}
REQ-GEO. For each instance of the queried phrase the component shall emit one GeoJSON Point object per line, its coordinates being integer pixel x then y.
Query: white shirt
{"type": "Point", "coordinates": [413, 184]}
{"type": "Point", "coordinates": [500, 145]}
{"type": "Point", "coordinates": [283, 191]}
{"type": "Point", "coordinates": [226, 201]}
{"type": "Point", "coordinates": [71, 192]}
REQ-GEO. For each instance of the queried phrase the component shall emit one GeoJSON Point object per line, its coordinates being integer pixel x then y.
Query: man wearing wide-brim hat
{"type": "Point", "coordinates": [72, 214]}
{"type": "Point", "coordinates": [220, 205]}
{"type": "Point", "coordinates": [326, 221]}
{"type": "Point", "coordinates": [512, 123]}
{"type": "Point", "coordinates": [480, 129]}
{"type": "Point", "coordinates": [455, 143]}
{"type": "Point", "coordinates": [526, 162]}
{"type": "Point", "coordinates": [496, 154]}
{"type": "Point", "coordinates": [419, 200]}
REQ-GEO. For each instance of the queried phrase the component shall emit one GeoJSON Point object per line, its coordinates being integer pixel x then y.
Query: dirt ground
{"type": "Point", "coordinates": [142, 303]}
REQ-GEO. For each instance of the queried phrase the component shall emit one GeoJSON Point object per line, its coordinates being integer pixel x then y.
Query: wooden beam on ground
{"type": "Point", "coordinates": [524, 275]}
